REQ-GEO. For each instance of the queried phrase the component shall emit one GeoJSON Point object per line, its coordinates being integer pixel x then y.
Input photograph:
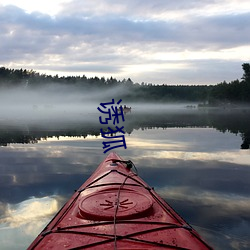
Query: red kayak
{"type": "Point", "coordinates": [116, 209]}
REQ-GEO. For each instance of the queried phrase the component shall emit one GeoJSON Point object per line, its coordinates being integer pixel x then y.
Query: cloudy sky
{"type": "Point", "coordinates": [154, 41]}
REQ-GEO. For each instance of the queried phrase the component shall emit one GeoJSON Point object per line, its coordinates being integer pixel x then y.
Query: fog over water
{"type": "Point", "coordinates": [61, 102]}
{"type": "Point", "coordinates": [53, 102]}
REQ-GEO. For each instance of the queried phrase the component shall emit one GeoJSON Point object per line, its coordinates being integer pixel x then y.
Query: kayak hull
{"type": "Point", "coordinates": [116, 209]}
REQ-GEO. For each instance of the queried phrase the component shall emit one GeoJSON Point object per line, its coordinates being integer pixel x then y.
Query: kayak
{"type": "Point", "coordinates": [116, 209]}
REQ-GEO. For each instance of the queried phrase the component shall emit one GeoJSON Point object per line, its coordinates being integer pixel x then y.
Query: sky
{"type": "Point", "coordinates": [160, 42]}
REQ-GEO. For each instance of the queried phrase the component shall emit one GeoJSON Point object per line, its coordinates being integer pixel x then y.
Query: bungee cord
{"type": "Point", "coordinates": [129, 165]}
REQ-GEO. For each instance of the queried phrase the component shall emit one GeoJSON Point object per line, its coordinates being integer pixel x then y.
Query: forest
{"type": "Point", "coordinates": [224, 93]}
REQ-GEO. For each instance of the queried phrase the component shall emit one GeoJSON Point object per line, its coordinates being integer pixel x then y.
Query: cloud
{"type": "Point", "coordinates": [143, 10]}
{"type": "Point", "coordinates": [45, 32]}
{"type": "Point", "coordinates": [115, 38]}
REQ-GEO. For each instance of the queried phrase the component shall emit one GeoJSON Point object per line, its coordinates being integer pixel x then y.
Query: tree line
{"type": "Point", "coordinates": [236, 91]}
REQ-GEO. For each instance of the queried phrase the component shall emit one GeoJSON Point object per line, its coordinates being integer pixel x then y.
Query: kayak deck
{"type": "Point", "coordinates": [116, 209]}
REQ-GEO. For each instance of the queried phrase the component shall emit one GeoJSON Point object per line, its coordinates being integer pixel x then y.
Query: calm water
{"type": "Point", "coordinates": [193, 158]}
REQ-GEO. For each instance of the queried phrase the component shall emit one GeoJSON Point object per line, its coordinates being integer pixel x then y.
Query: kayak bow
{"type": "Point", "coordinates": [116, 209]}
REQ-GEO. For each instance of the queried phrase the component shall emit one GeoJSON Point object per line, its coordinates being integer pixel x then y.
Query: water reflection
{"type": "Point", "coordinates": [193, 161]}
{"type": "Point", "coordinates": [33, 209]}
{"type": "Point", "coordinates": [22, 220]}
{"type": "Point", "coordinates": [233, 121]}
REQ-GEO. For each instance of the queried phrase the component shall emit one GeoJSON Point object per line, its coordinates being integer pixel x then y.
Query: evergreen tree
{"type": "Point", "coordinates": [246, 69]}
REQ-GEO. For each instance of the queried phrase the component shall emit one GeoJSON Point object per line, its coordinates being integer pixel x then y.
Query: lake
{"type": "Point", "coordinates": [198, 160]}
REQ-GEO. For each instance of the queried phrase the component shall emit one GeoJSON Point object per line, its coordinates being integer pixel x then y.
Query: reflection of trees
{"type": "Point", "coordinates": [233, 121]}
{"type": "Point", "coordinates": [35, 133]}
{"type": "Point", "coordinates": [16, 137]}
{"type": "Point", "coordinates": [246, 141]}
{"type": "Point", "coordinates": [229, 120]}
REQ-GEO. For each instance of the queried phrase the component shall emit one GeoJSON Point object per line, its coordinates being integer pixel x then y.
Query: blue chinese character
{"type": "Point", "coordinates": [107, 144]}
{"type": "Point", "coordinates": [111, 131]}
{"type": "Point", "coordinates": [115, 113]}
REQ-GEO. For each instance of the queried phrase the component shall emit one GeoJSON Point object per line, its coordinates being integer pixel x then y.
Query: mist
{"type": "Point", "coordinates": [59, 106]}
{"type": "Point", "coordinates": [53, 102]}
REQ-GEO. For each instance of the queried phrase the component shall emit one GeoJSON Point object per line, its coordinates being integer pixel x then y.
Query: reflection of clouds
{"type": "Point", "coordinates": [148, 144]}
{"type": "Point", "coordinates": [29, 212]}
{"type": "Point", "coordinates": [226, 240]}
{"type": "Point", "coordinates": [59, 157]}
{"type": "Point", "coordinates": [234, 156]}
{"type": "Point", "coordinates": [172, 143]}
{"type": "Point", "coordinates": [228, 203]}
{"type": "Point", "coordinates": [186, 139]}
{"type": "Point", "coordinates": [2, 209]}
{"type": "Point", "coordinates": [38, 171]}
{"type": "Point", "coordinates": [22, 222]}
{"type": "Point", "coordinates": [203, 144]}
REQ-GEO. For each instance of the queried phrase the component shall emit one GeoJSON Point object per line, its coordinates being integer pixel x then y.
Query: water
{"type": "Point", "coordinates": [193, 159]}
